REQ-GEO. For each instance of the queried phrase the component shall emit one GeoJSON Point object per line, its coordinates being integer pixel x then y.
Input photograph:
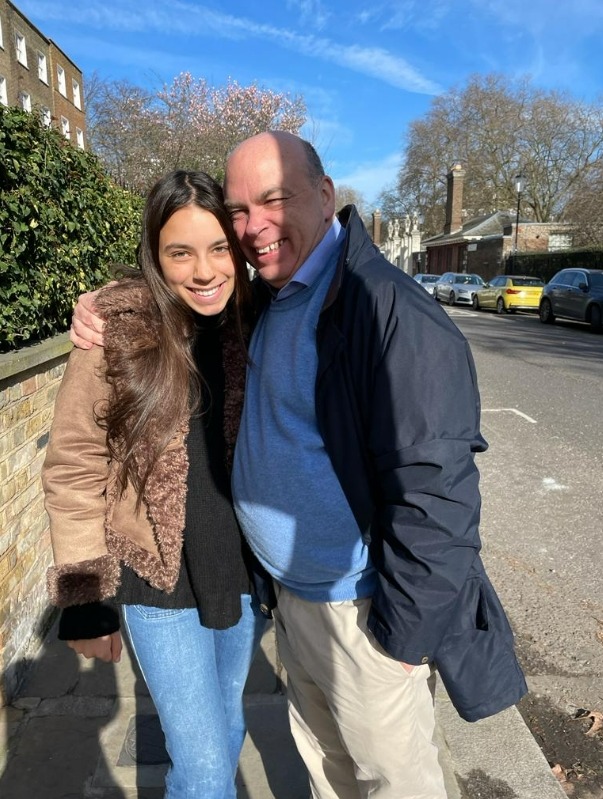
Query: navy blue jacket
{"type": "Point", "coordinates": [398, 409]}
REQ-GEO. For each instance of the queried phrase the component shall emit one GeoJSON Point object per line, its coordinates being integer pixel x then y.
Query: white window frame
{"type": "Point", "coordinates": [21, 48]}
{"type": "Point", "coordinates": [3, 91]}
{"type": "Point", "coordinates": [25, 101]}
{"type": "Point", "coordinates": [46, 116]}
{"type": "Point", "coordinates": [77, 95]}
{"type": "Point", "coordinates": [65, 128]}
{"type": "Point", "coordinates": [79, 137]}
{"type": "Point", "coordinates": [62, 80]}
{"type": "Point", "coordinates": [42, 67]}
{"type": "Point", "coordinates": [1, 36]}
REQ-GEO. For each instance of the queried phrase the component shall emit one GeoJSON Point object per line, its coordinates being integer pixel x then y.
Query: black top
{"type": "Point", "coordinates": [213, 572]}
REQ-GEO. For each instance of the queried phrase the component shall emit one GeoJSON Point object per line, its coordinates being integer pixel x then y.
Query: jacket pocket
{"type": "Point", "coordinates": [476, 659]}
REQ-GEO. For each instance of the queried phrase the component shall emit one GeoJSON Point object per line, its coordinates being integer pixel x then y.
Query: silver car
{"type": "Point", "coordinates": [427, 281]}
{"type": "Point", "coordinates": [457, 288]}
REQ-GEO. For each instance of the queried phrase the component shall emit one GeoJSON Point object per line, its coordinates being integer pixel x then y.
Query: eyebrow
{"type": "Point", "coordinates": [175, 245]}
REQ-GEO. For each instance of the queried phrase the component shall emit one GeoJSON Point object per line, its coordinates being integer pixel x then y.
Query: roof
{"type": "Point", "coordinates": [490, 225]}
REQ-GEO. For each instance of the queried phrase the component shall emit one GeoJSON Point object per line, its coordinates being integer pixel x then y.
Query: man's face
{"type": "Point", "coordinates": [279, 215]}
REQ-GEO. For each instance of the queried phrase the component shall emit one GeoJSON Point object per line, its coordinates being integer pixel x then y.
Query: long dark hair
{"type": "Point", "coordinates": [156, 384]}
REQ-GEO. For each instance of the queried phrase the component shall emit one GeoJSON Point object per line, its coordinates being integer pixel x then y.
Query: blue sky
{"type": "Point", "coordinates": [365, 69]}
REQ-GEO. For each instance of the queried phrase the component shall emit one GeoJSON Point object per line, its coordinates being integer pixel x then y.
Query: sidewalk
{"type": "Point", "coordinates": [87, 730]}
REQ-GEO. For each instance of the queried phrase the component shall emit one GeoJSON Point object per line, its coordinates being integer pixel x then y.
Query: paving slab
{"type": "Point", "coordinates": [88, 730]}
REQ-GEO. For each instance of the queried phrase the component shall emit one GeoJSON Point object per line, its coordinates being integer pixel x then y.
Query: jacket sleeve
{"type": "Point", "coordinates": [423, 432]}
{"type": "Point", "coordinates": [74, 478]}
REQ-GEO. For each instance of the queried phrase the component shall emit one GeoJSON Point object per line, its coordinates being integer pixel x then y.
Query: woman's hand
{"type": "Point", "coordinates": [106, 648]}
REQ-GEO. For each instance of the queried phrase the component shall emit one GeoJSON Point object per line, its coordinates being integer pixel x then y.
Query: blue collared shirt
{"type": "Point", "coordinates": [314, 263]}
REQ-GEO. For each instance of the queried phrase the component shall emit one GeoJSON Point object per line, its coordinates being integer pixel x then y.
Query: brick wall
{"type": "Point", "coordinates": [64, 105]}
{"type": "Point", "coordinates": [20, 78]}
{"type": "Point", "coordinates": [29, 381]}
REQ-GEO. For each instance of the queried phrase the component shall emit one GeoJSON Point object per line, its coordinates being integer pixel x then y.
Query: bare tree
{"type": "Point", "coordinates": [585, 209]}
{"type": "Point", "coordinates": [187, 124]}
{"type": "Point", "coordinates": [498, 129]}
{"type": "Point", "coordinates": [348, 195]}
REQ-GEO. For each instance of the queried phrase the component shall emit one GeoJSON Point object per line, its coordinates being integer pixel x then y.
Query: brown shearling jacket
{"type": "Point", "coordinates": [92, 529]}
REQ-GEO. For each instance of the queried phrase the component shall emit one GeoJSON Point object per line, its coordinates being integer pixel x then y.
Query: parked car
{"type": "Point", "coordinates": [574, 294]}
{"type": "Point", "coordinates": [509, 293]}
{"type": "Point", "coordinates": [427, 281]}
{"type": "Point", "coordinates": [457, 287]}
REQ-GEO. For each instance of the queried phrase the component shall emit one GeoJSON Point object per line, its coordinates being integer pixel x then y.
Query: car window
{"type": "Point", "coordinates": [498, 281]}
{"type": "Point", "coordinates": [596, 279]}
{"type": "Point", "coordinates": [578, 278]}
{"type": "Point", "coordinates": [568, 278]}
{"type": "Point", "coordinates": [526, 281]}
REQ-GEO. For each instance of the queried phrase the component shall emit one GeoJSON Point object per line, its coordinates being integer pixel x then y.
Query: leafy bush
{"type": "Point", "coordinates": [62, 222]}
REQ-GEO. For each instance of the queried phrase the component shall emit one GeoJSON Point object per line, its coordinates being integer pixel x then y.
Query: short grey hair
{"type": "Point", "coordinates": [315, 168]}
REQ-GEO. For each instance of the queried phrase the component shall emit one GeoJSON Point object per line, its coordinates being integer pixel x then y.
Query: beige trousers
{"type": "Point", "coordinates": [363, 725]}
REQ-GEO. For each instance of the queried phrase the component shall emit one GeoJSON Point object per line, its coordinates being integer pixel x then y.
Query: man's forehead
{"type": "Point", "coordinates": [261, 179]}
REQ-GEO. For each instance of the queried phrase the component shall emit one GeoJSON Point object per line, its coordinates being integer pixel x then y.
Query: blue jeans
{"type": "Point", "coordinates": [196, 678]}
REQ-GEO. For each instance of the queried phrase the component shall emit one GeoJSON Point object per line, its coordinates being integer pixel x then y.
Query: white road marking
{"type": "Point", "coordinates": [550, 484]}
{"type": "Point", "coordinates": [458, 312]}
{"type": "Point", "coordinates": [510, 410]}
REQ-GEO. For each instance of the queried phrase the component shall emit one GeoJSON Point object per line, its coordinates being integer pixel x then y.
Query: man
{"type": "Point", "coordinates": [355, 484]}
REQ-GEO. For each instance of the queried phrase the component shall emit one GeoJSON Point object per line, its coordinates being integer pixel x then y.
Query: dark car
{"type": "Point", "coordinates": [574, 294]}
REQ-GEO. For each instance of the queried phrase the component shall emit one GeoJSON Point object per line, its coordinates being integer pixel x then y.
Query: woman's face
{"type": "Point", "coordinates": [196, 261]}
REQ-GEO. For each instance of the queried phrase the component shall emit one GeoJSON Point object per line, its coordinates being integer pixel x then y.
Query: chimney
{"type": "Point", "coordinates": [377, 227]}
{"type": "Point", "coordinates": [454, 199]}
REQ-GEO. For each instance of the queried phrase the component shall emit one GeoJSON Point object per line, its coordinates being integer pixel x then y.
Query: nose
{"type": "Point", "coordinates": [203, 271]}
{"type": "Point", "coordinates": [255, 221]}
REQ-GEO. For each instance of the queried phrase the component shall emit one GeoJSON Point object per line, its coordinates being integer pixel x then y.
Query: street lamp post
{"type": "Point", "coordinates": [518, 186]}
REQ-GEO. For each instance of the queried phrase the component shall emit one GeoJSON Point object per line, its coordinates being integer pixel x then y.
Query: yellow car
{"type": "Point", "coordinates": [509, 293]}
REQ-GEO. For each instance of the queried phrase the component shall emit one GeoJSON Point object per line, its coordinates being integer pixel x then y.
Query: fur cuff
{"type": "Point", "coordinates": [88, 581]}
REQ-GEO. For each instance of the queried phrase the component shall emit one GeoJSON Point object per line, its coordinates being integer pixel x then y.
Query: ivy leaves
{"type": "Point", "coordinates": [62, 223]}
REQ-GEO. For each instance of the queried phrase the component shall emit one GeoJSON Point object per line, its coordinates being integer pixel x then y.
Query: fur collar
{"type": "Point", "coordinates": [132, 317]}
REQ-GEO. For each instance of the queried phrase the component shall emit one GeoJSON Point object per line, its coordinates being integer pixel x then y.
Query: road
{"type": "Point", "coordinates": [542, 520]}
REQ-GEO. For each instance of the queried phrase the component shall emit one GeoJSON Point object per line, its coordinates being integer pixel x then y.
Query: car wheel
{"type": "Point", "coordinates": [595, 318]}
{"type": "Point", "coordinates": [500, 305]}
{"type": "Point", "coordinates": [475, 303]}
{"type": "Point", "coordinates": [545, 312]}
{"type": "Point", "coordinates": [451, 298]}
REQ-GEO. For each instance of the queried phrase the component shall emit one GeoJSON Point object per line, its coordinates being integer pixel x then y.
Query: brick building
{"type": "Point", "coordinates": [483, 244]}
{"type": "Point", "coordinates": [36, 74]}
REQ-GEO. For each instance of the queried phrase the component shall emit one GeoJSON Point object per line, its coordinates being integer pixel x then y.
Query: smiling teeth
{"type": "Point", "coordinates": [206, 292]}
{"type": "Point", "coordinates": [270, 248]}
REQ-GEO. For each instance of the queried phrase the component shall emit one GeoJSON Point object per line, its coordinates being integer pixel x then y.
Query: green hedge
{"type": "Point", "coordinates": [62, 222]}
{"type": "Point", "coordinates": [547, 264]}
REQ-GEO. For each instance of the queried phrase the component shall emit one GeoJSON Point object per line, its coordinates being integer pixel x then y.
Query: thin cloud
{"type": "Point", "coordinates": [312, 11]}
{"type": "Point", "coordinates": [190, 20]}
{"type": "Point", "coordinates": [370, 177]}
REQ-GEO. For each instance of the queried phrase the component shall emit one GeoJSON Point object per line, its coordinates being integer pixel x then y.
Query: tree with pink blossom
{"type": "Point", "coordinates": [187, 124]}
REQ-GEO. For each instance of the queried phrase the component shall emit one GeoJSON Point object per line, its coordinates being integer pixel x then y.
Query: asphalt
{"type": "Point", "coordinates": [87, 730]}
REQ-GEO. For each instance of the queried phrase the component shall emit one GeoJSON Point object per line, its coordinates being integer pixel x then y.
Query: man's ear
{"type": "Point", "coordinates": [328, 197]}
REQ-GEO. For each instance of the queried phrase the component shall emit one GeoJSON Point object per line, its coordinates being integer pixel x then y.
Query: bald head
{"type": "Point", "coordinates": [280, 201]}
{"type": "Point", "coordinates": [288, 145]}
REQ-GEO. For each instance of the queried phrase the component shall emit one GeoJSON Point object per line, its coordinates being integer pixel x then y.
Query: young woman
{"type": "Point", "coordinates": [137, 484]}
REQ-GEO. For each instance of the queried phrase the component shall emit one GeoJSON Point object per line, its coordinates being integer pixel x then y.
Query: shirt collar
{"type": "Point", "coordinates": [314, 263]}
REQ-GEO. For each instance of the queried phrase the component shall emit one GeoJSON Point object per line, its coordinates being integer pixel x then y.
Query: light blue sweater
{"type": "Point", "coordinates": [287, 497]}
